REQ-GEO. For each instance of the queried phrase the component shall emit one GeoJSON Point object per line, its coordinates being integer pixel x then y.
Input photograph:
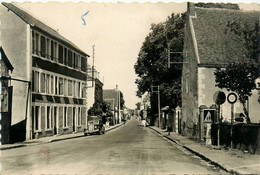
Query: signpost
{"type": "Point", "coordinates": [232, 98]}
{"type": "Point", "coordinates": [219, 98]}
{"type": "Point", "coordinates": [208, 119]}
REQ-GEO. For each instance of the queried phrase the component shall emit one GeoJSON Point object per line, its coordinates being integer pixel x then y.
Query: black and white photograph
{"type": "Point", "coordinates": [129, 87]}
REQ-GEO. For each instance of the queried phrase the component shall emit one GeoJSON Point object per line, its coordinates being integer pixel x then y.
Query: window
{"type": "Point", "coordinates": [70, 58]}
{"type": "Point", "coordinates": [65, 56]}
{"type": "Point", "coordinates": [52, 50]}
{"type": "Point", "coordinates": [51, 84]}
{"type": "Point", "coordinates": [37, 44]}
{"type": "Point", "coordinates": [48, 117]}
{"type": "Point", "coordinates": [65, 117]}
{"type": "Point", "coordinates": [48, 49]}
{"type": "Point", "coordinates": [55, 51]}
{"type": "Point", "coordinates": [61, 86]}
{"type": "Point", "coordinates": [33, 88]}
{"type": "Point", "coordinates": [76, 61]}
{"type": "Point", "coordinates": [56, 86]}
{"type": "Point", "coordinates": [83, 64]}
{"type": "Point", "coordinates": [37, 81]}
{"type": "Point", "coordinates": [65, 87]}
{"type": "Point", "coordinates": [69, 87]}
{"type": "Point", "coordinates": [43, 82]}
{"type": "Point", "coordinates": [33, 43]}
{"type": "Point", "coordinates": [51, 118]}
{"type": "Point", "coordinates": [47, 83]}
{"type": "Point", "coordinates": [79, 90]}
{"type": "Point", "coordinates": [76, 89]}
{"type": "Point", "coordinates": [36, 117]}
{"type": "Point", "coordinates": [60, 54]}
{"type": "Point", "coordinates": [79, 62]}
{"type": "Point", "coordinates": [73, 60]}
{"type": "Point", "coordinates": [79, 117]}
{"type": "Point", "coordinates": [43, 46]}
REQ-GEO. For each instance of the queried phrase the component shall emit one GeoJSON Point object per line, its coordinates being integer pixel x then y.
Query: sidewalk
{"type": "Point", "coordinates": [50, 139]}
{"type": "Point", "coordinates": [233, 161]}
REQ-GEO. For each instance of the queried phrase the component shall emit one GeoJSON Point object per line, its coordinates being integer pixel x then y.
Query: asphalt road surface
{"type": "Point", "coordinates": [129, 149]}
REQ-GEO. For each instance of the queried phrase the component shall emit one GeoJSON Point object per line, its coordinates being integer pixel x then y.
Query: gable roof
{"type": "Point", "coordinates": [35, 23]}
{"type": "Point", "coordinates": [110, 94]}
{"type": "Point", "coordinates": [6, 60]}
{"type": "Point", "coordinates": [214, 46]}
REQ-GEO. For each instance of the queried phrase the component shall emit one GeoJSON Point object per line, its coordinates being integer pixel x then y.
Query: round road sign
{"type": "Point", "coordinates": [219, 97]}
{"type": "Point", "coordinates": [232, 97]}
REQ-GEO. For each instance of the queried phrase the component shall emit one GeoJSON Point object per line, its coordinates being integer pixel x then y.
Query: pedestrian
{"type": "Point", "coordinates": [144, 123]}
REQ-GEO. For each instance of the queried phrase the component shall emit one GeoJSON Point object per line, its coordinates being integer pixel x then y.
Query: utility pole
{"type": "Point", "coordinates": [159, 106]}
{"type": "Point", "coordinates": [119, 119]}
{"type": "Point", "coordinates": [93, 55]}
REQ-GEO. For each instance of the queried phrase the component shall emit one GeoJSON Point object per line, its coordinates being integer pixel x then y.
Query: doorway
{"type": "Point", "coordinates": [74, 119]}
{"type": "Point", "coordinates": [55, 121]}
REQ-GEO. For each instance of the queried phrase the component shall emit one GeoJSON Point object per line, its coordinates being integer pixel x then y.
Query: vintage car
{"type": "Point", "coordinates": [94, 126]}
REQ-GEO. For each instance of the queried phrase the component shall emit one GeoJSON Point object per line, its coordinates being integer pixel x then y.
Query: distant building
{"type": "Point", "coordinates": [5, 97]}
{"type": "Point", "coordinates": [54, 101]}
{"type": "Point", "coordinates": [206, 47]}
{"type": "Point", "coordinates": [112, 96]}
{"type": "Point", "coordinates": [95, 88]}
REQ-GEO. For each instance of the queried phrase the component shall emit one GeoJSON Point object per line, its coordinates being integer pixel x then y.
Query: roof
{"type": "Point", "coordinates": [35, 23]}
{"type": "Point", "coordinates": [6, 60]}
{"type": "Point", "coordinates": [214, 46]}
{"type": "Point", "coordinates": [110, 94]}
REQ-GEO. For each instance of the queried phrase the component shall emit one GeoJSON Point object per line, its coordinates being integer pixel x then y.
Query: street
{"type": "Point", "coordinates": [129, 149]}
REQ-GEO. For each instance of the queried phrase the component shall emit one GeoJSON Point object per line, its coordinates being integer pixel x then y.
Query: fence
{"type": "Point", "coordinates": [245, 137]}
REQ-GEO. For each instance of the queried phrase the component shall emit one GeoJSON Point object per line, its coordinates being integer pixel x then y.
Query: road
{"type": "Point", "coordinates": [129, 149]}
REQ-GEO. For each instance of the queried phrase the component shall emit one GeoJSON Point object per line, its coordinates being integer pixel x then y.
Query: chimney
{"type": "Point", "coordinates": [191, 9]}
{"type": "Point", "coordinates": [116, 87]}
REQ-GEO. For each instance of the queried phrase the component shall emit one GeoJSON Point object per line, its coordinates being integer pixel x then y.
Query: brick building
{"type": "Point", "coordinates": [54, 101]}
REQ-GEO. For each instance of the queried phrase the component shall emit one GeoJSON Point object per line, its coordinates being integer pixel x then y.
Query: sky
{"type": "Point", "coordinates": [116, 29]}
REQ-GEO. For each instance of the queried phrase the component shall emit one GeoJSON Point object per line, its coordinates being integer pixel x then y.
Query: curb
{"type": "Point", "coordinates": [16, 146]}
{"type": "Point", "coordinates": [54, 140]}
{"type": "Point", "coordinates": [225, 168]}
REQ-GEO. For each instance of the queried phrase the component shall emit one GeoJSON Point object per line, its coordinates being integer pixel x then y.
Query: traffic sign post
{"type": "Point", "coordinates": [232, 98]}
{"type": "Point", "coordinates": [208, 119]}
{"type": "Point", "coordinates": [219, 98]}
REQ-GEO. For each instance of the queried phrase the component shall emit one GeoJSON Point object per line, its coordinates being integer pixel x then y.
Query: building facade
{"type": "Point", "coordinates": [207, 47]}
{"type": "Point", "coordinates": [112, 97]}
{"type": "Point", "coordinates": [5, 100]}
{"type": "Point", "coordinates": [54, 99]}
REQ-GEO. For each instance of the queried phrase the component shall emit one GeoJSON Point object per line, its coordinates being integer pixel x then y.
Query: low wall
{"type": "Point", "coordinates": [245, 137]}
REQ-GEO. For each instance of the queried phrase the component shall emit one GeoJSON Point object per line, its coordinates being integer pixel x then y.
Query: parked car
{"type": "Point", "coordinates": [94, 126]}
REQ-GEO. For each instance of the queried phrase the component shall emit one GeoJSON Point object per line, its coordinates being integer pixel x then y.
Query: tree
{"type": "Point", "coordinates": [99, 108]}
{"type": "Point", "coordinates": [240, 77]}
{"type": "Point", "coordinates": [218, 5]}
{"type": "Point", "coordinates": [122, 101]}
{"type": "Point", "coordinates": [138, 105]}
{"type": "Point", "coordinates": [151, 66]}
